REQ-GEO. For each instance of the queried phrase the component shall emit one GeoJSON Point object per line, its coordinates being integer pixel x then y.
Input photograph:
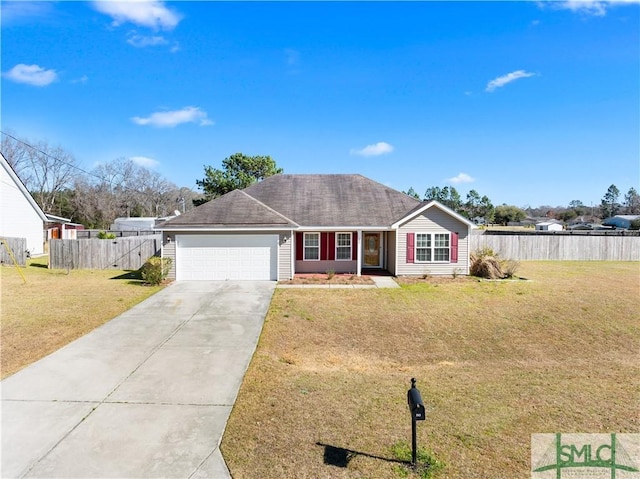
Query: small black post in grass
{"type": "Point", "coordinates": [416, 408]}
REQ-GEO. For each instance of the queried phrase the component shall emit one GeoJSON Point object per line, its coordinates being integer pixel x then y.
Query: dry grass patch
{"type": "Point", "coordinates": [55, 307]}
{"type": "Point", "coordinates": [495, 362]}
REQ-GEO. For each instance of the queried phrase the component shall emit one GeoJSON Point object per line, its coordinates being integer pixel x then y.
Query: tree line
{"type": "Point", "coordinates": [480, 209]}
{"type": "Point", "coordinates": [122, 188]}
{"type": "Point", "coordinates": [95, 198]}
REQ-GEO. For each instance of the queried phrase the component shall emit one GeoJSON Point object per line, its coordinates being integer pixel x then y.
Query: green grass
{"type": "Point", "coordinates": [495, 362]}
{"type": "Point", "coordinates": [426, 466]}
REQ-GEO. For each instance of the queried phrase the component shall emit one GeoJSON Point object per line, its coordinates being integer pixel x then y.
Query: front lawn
{"type": "Point", "coordinates": [54, 307]}
{"type": "Point", "coordinates": [325, 394]}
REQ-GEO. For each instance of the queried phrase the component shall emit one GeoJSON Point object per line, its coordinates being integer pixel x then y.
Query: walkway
{"type": "Point", "coordinates": [148, 394]}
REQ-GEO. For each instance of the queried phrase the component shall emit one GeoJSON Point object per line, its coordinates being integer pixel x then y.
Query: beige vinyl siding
{"type": "Point", "coordinates": [169, 251]}
{"type": "Point", "coordinates": [433, 221]}
{"type": "Point", "coordinates": [285, 250]}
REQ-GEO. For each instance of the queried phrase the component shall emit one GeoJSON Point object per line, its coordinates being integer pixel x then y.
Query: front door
{"type": "Point", "coordinates": [371, 250]}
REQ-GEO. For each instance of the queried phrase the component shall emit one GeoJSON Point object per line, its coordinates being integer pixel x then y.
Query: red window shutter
{"type": "Point", "coordinates": [454, 247]}
{"type": "Point", "coordinates": [410, 247]}
{"type": "Point", "coordinates": [324, 244]}
{"type": "Point", "coordinates": [354, 246]}
{"type": "Point", "coordinates": [331, 253]}
{"type": "Point", "coordinates": [299, 246]}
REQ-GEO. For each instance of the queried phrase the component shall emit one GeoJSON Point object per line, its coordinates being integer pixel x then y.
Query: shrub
{"type": "Point", "coordinates": [155, 270]}
{"type": "Point", "coordinates": [484, 251]}
{"type": "Point", "coordinates": [330, 273]}
{"type": "Point", "coordinates": [105, 235]}
{"type": "Point", "coordinates": [486, 263]}
{"type": "Point", "coordinates": [509, 267]}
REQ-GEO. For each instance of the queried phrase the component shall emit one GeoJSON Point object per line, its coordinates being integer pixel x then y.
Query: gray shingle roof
{"type": "Point", "coordinates": [306, 200]}
{"type": "Point", "coordinates": [333, 200]}
{"type": "Point", "coordinates": [235, 209]}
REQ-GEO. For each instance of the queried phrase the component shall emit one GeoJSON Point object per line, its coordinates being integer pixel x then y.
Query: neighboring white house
{"type": "Point", "coordinates": [548, 226]}
{"type": "Point", "coordinates": [142, 223]}
{"type": "Point", "coordinates": [20, 215]}
{"type": "Point", "coordinates": [133, 224]}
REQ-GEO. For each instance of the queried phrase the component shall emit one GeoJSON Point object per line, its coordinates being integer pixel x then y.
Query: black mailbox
{"type": "Point", "coordinates": [416, 406]}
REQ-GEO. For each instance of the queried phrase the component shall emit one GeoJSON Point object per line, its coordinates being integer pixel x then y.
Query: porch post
{"type": "Point", "coordinates": [359, 255]}
{"type": "Point", "coordinates": [293, 254]}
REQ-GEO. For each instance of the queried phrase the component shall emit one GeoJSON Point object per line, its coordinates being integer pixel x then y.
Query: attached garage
{"type": "Point", "coordinates": [226, 257]}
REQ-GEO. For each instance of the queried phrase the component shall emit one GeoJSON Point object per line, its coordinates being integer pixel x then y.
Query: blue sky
{"type": "Point", "coordinates": [529, 103]}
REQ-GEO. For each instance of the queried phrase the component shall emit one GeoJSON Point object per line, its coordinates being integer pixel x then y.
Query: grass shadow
{"type": "Point", "coordinates": [134, 275]}
{"type": "Point", "coordinates": [39, 265]}
{"type": "Point", "coordinates": [340, 457]}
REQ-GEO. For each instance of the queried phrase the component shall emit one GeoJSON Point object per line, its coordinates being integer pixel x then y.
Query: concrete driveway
{"type": "Point", "coordinates": [146, 395]}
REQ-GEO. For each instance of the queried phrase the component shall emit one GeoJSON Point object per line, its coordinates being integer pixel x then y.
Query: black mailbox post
{"type": "Point", "coordinates": [416, 408]}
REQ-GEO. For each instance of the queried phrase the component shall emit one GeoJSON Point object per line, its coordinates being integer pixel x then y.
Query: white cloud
{"type": "Point", "coordinates": [589, 7]}
{"type": "Point", "coordinates": [377, 149]}
{"type": "Point", "coordinates": [461, 178]}
{"type": "Point", "coordinates": [31, 74]}
{"type": "Point", "coordinates": [82, 79]}
{"type": "Point", "coordinates": [169, 119]}
{"type": "Point", "coordinates": [147, 13]}
{"type": "Point", "coordinates": [14, 12]}
{"type": "Point", "coordinates": [141, 41]}
{"type": "Point", "coordinates": [144, 161]}
{"type": "Point", "coordinates": [508, 78]}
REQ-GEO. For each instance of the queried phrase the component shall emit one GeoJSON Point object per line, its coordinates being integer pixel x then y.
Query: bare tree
{"type": "Point", "coordinates": [114, 189]}
{"type": "Point", "coordinates": [122, 188]}
{"type": "Point", "coordinates": [156, 195]}
{"type": "Point", "coordinates": [44, 169]}
{"type": "Point", "coordinates": [15, 152]}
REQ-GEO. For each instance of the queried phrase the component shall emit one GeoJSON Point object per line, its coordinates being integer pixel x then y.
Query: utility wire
{"type": "Point", "coordinates": [71, 165]}
{"type": "Point", "coordinates": [51, 156]}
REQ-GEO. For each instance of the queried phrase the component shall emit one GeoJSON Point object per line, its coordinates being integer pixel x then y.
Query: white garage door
{"type": "Point", "coordinates": [222, 257]}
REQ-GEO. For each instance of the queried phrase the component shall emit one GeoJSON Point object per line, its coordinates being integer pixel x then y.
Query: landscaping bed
{"type": "Point", "coordinates": [350, 278]}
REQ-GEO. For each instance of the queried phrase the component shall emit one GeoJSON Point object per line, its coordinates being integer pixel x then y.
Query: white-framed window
{"type": "Point", "coordinates": [432, 247]}
{"type": "Point", "coordinates": [423, 247]}
{"type": "Point", "coordinates": [312, 247]}
{"type": "Point", "coordinates": [441, 247]}
{"type": "Point", "coordinates": [343, 246]}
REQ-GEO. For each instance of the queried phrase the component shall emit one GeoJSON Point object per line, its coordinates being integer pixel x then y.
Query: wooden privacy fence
{"type": "Point", "coordinates": [18, 247]}
{"type": "Point", "coordinates": [560, 247]}
{"type": "Point", "coordinates": [120, 253]}
{"type": "Point", "coordinates": [93, 234]}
